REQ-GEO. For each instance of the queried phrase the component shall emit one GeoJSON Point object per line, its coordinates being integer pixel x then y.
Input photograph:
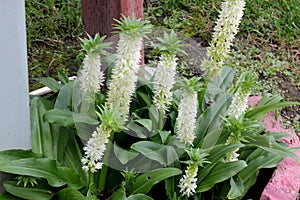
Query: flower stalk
{"type": "Point", "coordinates": [187, 110]}
{"type": "Point", "coordinates": [164, 77]}
{"type": "Point", "coordinates": [90, 76]}
{"type": "Point", "coordinates": [124, 73]}
{"type": "Point", "coordinates": [224, 32]}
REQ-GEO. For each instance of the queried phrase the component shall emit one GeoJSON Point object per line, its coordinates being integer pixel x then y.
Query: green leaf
{"type": "Point", "coordinates": [138, 197]}
{"type": "Point", "coordinates": [62, 77]}
{"type": "Point", "coordinates": [51, 83]}
{"type": "Point", "coordinates": [145, 182]}
{"type": "Point", "coordinates": [260, 112]}
{"type": "Point", "coordinates": [211, 138]}
{"type": "Point", "coordinates": [8, 196]}
{"type": "Point", "coordinates": [249, 173]}
{"type": "Point", "coordinates": [16, 154]}
{"type": "Point", "coordinates": [164, 154]}
{"type": "Point", "coordinates": [60, 117]}
{"type": "Point", "coordinates": [124, 155]}
{"type": "Point", "coordinates": [72, 154]}
{"type": "Point", "coordinates": [27, 193]}
{"type": "Point", "coordinates": [70, 194]}
{"type": "Point", "coordinates": [41, 141]}
{"type": "Point", "coordinates": [43, 168]}
{"type": "Point", "coordinates": [215, 155]}
{"type": "Point", "coordinates": [221, 172]}
{"type": "Point", "coordinates": [145, 98]}
{"type": "Point", "coordinates": [64, 97]}
{"type": "Point", "coordinates": [120, 194]}
{"type": "Point", "coordinates": [270, 145]}
{"type": "Point", "coordinates": [226, 78]}
{"type": "Point", "coordinates": [236, 189]}
{"type": "Point", "coordinates": [147, 123]}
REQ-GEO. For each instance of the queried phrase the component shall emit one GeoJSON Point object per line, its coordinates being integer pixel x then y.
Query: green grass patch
{"type": "Point", "coordinates": [53, 29]}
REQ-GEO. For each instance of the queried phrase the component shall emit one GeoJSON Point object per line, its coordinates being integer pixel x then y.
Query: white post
{"type": "Point", "coordinates": [14, 99]}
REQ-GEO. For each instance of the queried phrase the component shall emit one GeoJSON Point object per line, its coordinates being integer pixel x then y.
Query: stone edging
{"type": "Point", "coordinates": [285, 182]}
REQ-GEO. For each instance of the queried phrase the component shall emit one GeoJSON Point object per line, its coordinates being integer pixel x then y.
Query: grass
{"type": "Point", "coordinates": [267, 43]}
{"type": "Point", "coordinates": [53, 29]}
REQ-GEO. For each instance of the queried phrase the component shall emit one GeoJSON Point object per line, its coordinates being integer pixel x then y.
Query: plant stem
{"type": "Point", "coordinates": [104, 170]}
{"type": "Point", "coordinates": [91, 180]}
{"type": "Point", "coordinates": [161, 119]}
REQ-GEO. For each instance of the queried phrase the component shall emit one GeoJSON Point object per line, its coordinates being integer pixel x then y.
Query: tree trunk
{"type": "Point", "coordinates": [98, 15]}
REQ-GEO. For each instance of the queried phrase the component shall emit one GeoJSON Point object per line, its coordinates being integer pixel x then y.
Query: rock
{"type": "Point", "coordinates": [285, 182]}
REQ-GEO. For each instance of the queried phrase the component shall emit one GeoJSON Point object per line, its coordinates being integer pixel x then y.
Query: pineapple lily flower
{"type": "Point", "coordinates": [122, 86]}
{"type": "Point", "coordinates": [224, 32]}
{"type": "Point", "coordinates": [188, 182]}
{"type": "Point", "coordinates": [239, 102]}
{"type": "Point", "coordinates": [124, 73]}
{"type": "Point", "coordinates": [96, 145]}
{"type": "Point", "coordinates": [164, 77]}
{"type": "Point", "coordinates": [90, 76]}
{"type": "Point", "coordinates": [187, 110]}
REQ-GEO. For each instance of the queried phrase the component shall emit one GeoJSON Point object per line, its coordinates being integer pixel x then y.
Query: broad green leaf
{"type": "Point", "coordinates": [211, 138]}
{"type": "Point", "coordinates": [8, 196]}
{"type": "Point", "coordinates": [260, 112]}
{"type": "Point", "coordinates": [64, 97]}
{"type": "Point", "coordinates": [123, 154]}
{"type": "Point", "coordinates": [51, 83]}
{"type": "Point", "coordinates": [138, 197]}
{"type": "Point", "coordinates": [43, 168]}
{"type": "Point", "coordinates": [163, 154]}
{"type": "Point", "coordinates": [84, 118]}
{"type": "Point", "coordinates": [138, 130]}
{"type": "Point", "coordinates": [147, 123]}
{"type": "Point", "coordinates": [27, 193]}
{"type": "Point", "coordinates": [70, 194]}
{"type": "Point", "coordinates": [202, 126]}
{"type": "Point", "coordinates": [221, 172]}
{"type": "Point", "coordinates": [164, 135]}
{"type": "Point", "coordinates": [215, 155]}
{"type": "Point", "coordinates": [269, 100]}
{"type": "Point", "coordinates": [146, 98]}
{"type": "Point", "coordinates": [226, 77]}
{"type": "Point", "coordinates": [218, 111]}
{"type": "Point", "coordinates": [146, 181]}
{"type": "Point", "coordinates": [236, 189]}
{"type": "Point", "coordinates": [16, 154]}
{"type": "Point", "coordinates": [41, 141]}
{"type": "Point", "coordinates": [120, 194]}
{"type": "Point", "coordinates": [60, 117]}
{"type": "Point", "coordinates": [211, 119]}
{"type": "Point", "coordinates": [249, 173]}
{"type": "Point", "coordinates": [62, 77]}
{"type": "Point", "coordinates": [268, 144]}
{"type": "Point", "coordinates": [72, 154]}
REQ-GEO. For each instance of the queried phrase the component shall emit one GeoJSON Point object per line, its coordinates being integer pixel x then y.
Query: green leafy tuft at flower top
{"type": "Point", "coordinates": [91, 76]}
{"type": "Point", "coordinates": [133, 26]}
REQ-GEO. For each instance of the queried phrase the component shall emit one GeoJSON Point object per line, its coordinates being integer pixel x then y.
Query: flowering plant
{"type": "Point", "coordinates": [188, 138]}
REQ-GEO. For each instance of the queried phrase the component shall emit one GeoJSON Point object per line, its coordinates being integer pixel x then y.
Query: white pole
{"type": "Point", "coordinates": [14, 99]}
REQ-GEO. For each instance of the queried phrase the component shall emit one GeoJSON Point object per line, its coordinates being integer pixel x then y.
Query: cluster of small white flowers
{"type": "Point", "coordinates": [124, 74]}
{"type": "Point", "coordinates": [188, 183]}
{"type": "Point", "coordinates": [164, 79]}
{"type": "Point", "coordinates": [90, 76]}
{"type": "Point", "coordinates": [224, 32]}
{"type": "Point", "coordinates": [233, 156]}
{"type": "Point", "coordinates": [94, 150]}
{"type": "Point", "coordinates": [186, 120]}
{"type": "Point", "coordinates": [239, 104]}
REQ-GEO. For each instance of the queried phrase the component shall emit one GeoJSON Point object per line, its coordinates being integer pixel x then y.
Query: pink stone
{"type": "Point", "coordinates": [285, 182]}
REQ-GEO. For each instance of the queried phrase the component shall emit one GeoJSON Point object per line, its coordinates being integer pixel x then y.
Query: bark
{"type": "Point", "coordinates": [99, 15]}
